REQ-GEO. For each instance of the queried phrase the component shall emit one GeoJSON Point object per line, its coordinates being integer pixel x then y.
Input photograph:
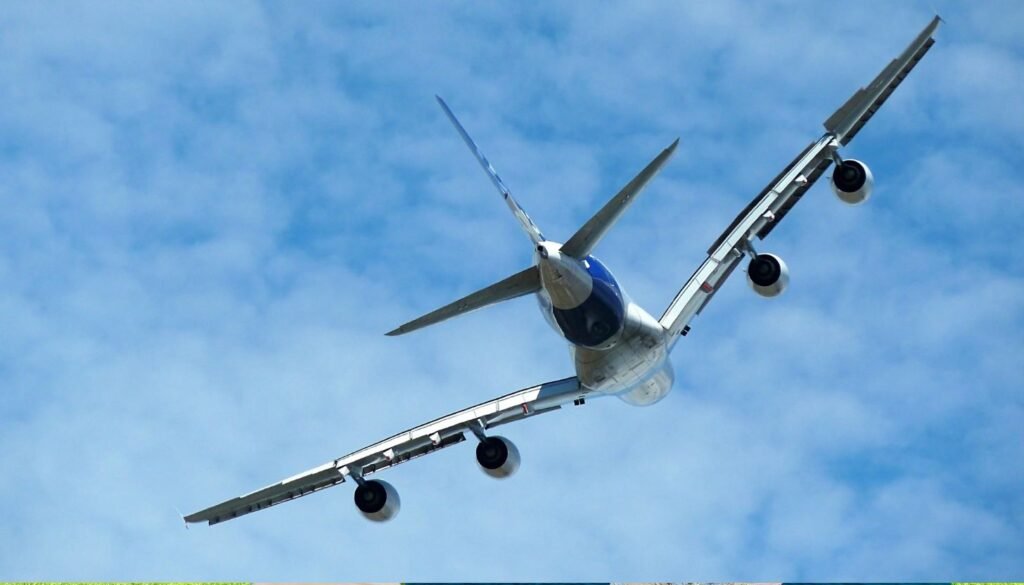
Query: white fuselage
{"type": "Point", "coordinates": [617, 347]}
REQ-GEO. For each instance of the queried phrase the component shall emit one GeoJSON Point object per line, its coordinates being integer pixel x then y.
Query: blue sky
{"type": "Point", "coordinates": [213, 211]}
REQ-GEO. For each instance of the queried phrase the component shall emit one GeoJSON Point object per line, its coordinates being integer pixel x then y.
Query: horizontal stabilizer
{"type": "Point", "coordinates": [517, 285]}
{"type": "Point", "coordinates": [584, 240]}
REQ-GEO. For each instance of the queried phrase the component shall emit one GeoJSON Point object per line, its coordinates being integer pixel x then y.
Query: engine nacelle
{"type": "Point", "coordinates": [378, 500]}
{"type": "Point", "coordinates": [768, 275]}
{"type": "Point", "coordinates": [852, 182]}
{"type": "Point", "coordinates": [497, 456]}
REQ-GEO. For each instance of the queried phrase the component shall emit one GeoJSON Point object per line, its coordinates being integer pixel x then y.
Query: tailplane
{"type": "Point", "coordinates": [517, 285]}
{"type": "Point", "coordinates": [585, 238]}
{"type": "Point", "coordinates": [528, 281]}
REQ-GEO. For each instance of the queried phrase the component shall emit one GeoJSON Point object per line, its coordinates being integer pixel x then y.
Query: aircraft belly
{"type": "Point", "coordinates": [640, 353]}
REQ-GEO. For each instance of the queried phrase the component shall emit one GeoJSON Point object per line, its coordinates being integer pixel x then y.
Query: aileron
{"type": "Point", "coordinates": [296, 486]}
{"type": "Point", "coordinates": [852, 115]}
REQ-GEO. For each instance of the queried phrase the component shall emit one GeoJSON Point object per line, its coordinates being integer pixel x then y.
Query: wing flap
{"type": "Point", "coordinates": [789, 202]}
{"type": "Point", "coordinates": [760, 196]}
{"type": "Point", "coordinates": [417, 450]}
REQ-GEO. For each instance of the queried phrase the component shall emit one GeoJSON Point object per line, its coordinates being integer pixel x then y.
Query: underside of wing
{"type": "Point", "coordinates": [314, 480]}
{"type": "Point", "coordinates": [405, 446]}
{"type": "Point", "coordinates": [728, 250]}
{"type": "Point", "coordinates": [771, 205]}
{"type": "Point", "coordinates": [851, 117]}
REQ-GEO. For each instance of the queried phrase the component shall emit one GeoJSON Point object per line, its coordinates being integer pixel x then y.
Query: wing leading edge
{"type": "Point", "coordinates": [426, 438]}
{"type": "Point", "coordinates": [766, 210]}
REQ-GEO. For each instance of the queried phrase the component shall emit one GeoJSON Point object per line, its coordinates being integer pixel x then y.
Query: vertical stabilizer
{"type": "Point", "coordinates": [525, 222]}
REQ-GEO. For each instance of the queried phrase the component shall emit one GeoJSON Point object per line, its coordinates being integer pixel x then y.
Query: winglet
{"type": "Point", "coordinates": [182, 516]}
{"type": "Point", "coordinates": [525, 222]}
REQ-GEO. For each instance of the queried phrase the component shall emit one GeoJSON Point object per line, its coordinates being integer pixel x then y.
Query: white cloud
{"type": "Point", "coordinates": [211, 215]}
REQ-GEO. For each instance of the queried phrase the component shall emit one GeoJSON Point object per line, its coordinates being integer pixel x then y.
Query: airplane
{"type": "Point", "coordinates": [618, 348]}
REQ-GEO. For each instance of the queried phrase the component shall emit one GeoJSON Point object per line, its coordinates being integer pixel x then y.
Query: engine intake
{"type": "Point", "coordinates": [497, 456]}
{"type": "Point", "coordinates": [768, 275]}
{"type": "Point", "coordinates": [377, 500]}
{"type": "Point", "coordinates": [852, 182]}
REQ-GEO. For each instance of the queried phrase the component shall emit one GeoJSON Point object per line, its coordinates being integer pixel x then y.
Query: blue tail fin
{"type": "Point", "coordinates": [525, 222]}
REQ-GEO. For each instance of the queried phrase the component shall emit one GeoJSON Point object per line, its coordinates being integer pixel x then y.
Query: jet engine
{"type": "Point", "coordinates": [497, 456]}
{"type": "Point", "coordinates": [768, 275]}
{"type": "Point", "coordinates": [377, 500]}
{"type": "Point", "coordinates": [852, 182]}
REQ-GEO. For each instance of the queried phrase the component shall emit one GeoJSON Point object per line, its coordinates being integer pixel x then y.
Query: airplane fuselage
{"type": "Point", "coordinates": [618, 348]}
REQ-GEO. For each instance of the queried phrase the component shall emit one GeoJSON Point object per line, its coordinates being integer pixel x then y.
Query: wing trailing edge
{"type": "Point", "coordinates": [852, 115]}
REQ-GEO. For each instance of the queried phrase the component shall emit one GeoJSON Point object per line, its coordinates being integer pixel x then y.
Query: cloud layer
{"type": "Point", "coordinates": [211, 213]}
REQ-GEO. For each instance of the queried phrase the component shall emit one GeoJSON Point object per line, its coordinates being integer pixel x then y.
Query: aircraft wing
{"type": "Point", "coordinates": [766, 210]}
{"type": "Point", "coordinates": [426, 438]}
